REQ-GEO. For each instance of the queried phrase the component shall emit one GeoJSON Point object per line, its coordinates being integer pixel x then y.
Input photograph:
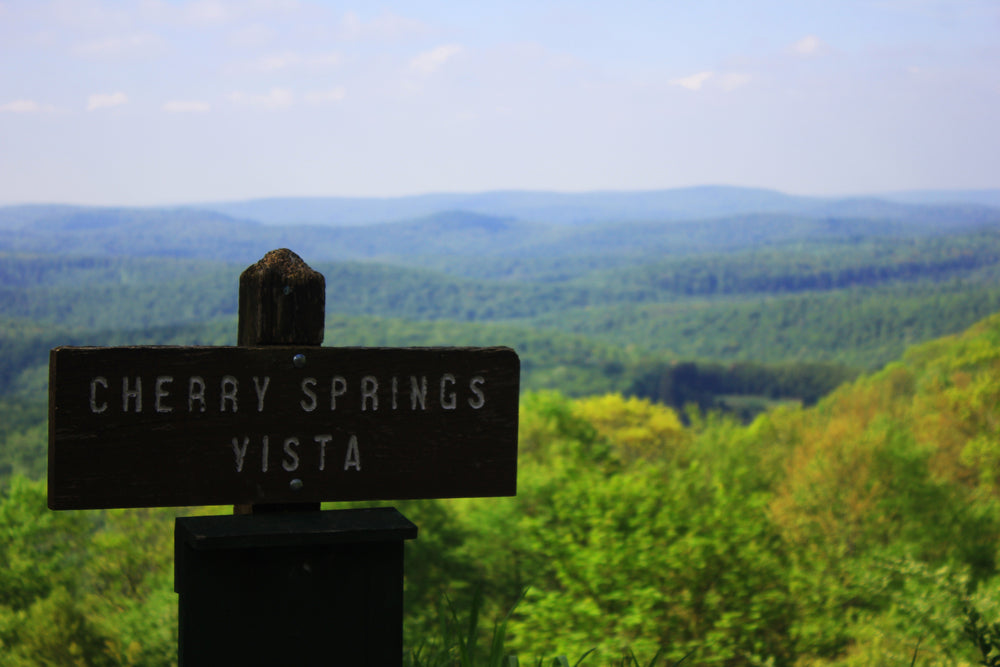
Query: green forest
{"type": "Point", "coordinates": [781, 449]}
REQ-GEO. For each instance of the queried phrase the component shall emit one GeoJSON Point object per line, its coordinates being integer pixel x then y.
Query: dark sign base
{"type": "Point", "coordinates": [316, 588]}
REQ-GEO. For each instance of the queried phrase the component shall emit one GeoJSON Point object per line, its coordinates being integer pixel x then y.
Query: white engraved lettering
{"type": "Point", "coordinates": [322, 440]}
{"type": "Point", "coordinates": [228, 389]}
{"type": "Point", "coordinates": [448, 398]}
{"type": "Point", "coordinates": [196, 392]}
{"type": "Point", "coordinates": [240, 452]}
{"type": "Point", "coordinates": [291, 461]}
{"type": "Point", "coordinates": [308, 384]}
{"type": "Point", "coordinates": [128, 393]}
{"type": "Point", "coordinates": [338, 387]}
{"type": "Point", "coordinates": [369, 390]}
{"type": "Point", "coordinates": [261, 390]}
{"type": "Point", "coordinates": [353, 457]}
{"type": "Point", "coordinates": [476, 387]}
{"type": "Point", "coordinates": [162, 393]}
{"type": "Point", "coordinates": [418, 392]}
{"type": "Point", "coordinates": [94, 407]}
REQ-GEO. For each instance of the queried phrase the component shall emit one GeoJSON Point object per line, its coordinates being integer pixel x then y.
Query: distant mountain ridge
{"type": "Point", "coordinates": [673, 205]}
{"type": "Point", "coordinates": [609, 228]}
{"type": "Point", "coordinates": [692, 203]}
{"type": "Point", "coordinates": [532, 206]}
{"type": "Point", "coordinates": [982, 197]}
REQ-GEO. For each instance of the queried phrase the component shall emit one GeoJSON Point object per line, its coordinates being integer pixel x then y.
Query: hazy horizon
{"type": "Point", "coordinates": [984, 196]}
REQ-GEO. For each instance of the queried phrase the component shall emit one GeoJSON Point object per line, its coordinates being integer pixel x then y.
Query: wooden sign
{"type": "Point", "coordinates": [171, 426]}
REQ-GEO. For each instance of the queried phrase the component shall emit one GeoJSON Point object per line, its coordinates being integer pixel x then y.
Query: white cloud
{"type": "Point", "coordinates": [208, 12]}
{"type": "Point", "coordinates": [333, 95]}
{"type": "Point", "coordinates": [255, 35]}
{"type": "Point", "coordinates": [350, 26]}
{"type": "Point", "coordinates": [331, 59]}
{"type": "Point", "coordinates": [810, 45]}
{"type": "Point", "coordinates": [187, 106]}
{"type": "Point", "coordinates": [386, 26]}
{"type": "Point", "coordinates": [213, 13]}
{"type": "Point", "coordinates": [726, 81]}
{"type": "Point", "coordinates": [87, 15]}
{"type": "Point", "coordinates": [693, 82]}
{"type": "Point", "coordinates": [280, 61]}
{"type": "Point", "coordinates": [274, 62]}
{"type": "Point", "coordinates": [105, 16]}
{"type": "Point", "coordinates": [393, 26]}
{"type": "Point", "coordinates": [26, 106]}
{"type": "Point", "coordinates": [732, 80]}
{"type": "Point", "coordinates": [105, 100]}
{"type": "Point", "coordinates": [134, 44]}
{"type": "Point", "coordinates": [276, 98]}
{"type": "Point", "coordinates": [429, 62]}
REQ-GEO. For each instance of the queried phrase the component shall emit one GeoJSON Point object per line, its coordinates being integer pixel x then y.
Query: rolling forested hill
{"type": "Point", "coordinates": [862, 530]}
{"type": "Point", "coordinates": [629, 281]}
{"type": "Point", "coordinates": [727, 298]}
{"type": "Point", "coordinates": [855, 522]}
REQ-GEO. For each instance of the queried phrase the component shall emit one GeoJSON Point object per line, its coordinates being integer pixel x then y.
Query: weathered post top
{"type": "Point", "coordinates": [282, 302]}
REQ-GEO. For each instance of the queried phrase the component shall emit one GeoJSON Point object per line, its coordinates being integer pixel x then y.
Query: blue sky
{"type": "Point", "coordinates": [156, 102]}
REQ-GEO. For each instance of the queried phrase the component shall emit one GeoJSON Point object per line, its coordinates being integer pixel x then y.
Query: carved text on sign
{"type": "Point", "coordinates": [194, 394]}
{"type": "Point", "coordinates": [190, 425]}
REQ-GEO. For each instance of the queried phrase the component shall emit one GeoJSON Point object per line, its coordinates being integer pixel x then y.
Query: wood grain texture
{"type": "Point", "coordinates": [281, 302]}
{"type": "Point", "coordinates": [171, 426]}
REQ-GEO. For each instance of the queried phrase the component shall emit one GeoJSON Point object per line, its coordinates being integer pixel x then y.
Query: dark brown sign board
{"type": "Point", "coordinates": [173, 426]}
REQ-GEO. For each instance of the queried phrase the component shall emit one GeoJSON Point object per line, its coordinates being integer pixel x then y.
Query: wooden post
{"type": "Point", "coordinates": [282, 302]}
{"type": "Point", "coordinates": [306, 588]}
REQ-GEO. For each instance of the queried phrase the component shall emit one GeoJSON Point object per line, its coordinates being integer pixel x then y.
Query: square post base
{"type": "Point", "coordinates": [310, 588]}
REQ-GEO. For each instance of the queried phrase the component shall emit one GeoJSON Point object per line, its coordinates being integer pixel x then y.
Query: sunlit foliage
{"type": "Point", "coordinates": [854, 532]}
